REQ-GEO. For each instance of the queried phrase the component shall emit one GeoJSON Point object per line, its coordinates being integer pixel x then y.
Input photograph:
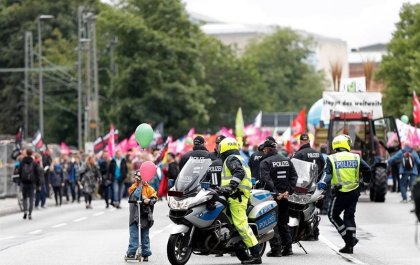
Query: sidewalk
{"type": "Point", "coordinates": [10, 205]}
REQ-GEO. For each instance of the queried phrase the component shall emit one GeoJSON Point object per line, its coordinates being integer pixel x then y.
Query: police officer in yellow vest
{"type": "Point", "coordinates": [342, 169]}
{"type": "Point", "coordinates": [236, 181]}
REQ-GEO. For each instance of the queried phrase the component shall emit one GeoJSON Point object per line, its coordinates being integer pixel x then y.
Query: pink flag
{"type": "Point", "coordinates": [111, 142]}
{"type": "Point", "coordinates": [226, 132]}
{"type": "Point", "coordinates": [64, 149]}
{"type": "Point", "coordinates": [410, 137]}
{"type": "Point", "coordinates": [416, 109]}
{"type": "Point", "coordinates": [416, 138]}
{"type": "Point", "coordinates": [132, 143]}
{"type": "Point", "coordinates": [122, 146]}
{"type": "Point", "coordinates": [191, 133]}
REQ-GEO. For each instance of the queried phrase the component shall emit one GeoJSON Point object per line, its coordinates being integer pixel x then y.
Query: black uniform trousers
{"type": "Point", "coordinates": [344, 201]}
{"type": "Point", "coordinates": [28, 194]}
{"type": "Point", "coordinates": [282, 235]}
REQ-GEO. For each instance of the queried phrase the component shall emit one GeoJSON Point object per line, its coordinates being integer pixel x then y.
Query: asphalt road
{"type": "Point", "coordinates": [73, 235]}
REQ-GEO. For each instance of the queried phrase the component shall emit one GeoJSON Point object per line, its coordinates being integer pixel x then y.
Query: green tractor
{"type": "Point", "coordinates": [370, 138]}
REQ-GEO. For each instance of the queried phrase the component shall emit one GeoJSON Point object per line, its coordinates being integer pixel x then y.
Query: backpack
{"type": "Point", "coordinates": [407, 161]}
{"type": "Point", "coordinates": [28, 176]}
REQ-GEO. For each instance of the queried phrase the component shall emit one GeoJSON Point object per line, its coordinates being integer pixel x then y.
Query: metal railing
{"type": "Point", "coordinates": [7, 164]}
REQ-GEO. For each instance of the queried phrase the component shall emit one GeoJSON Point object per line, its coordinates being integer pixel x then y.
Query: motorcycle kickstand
{"type": "Point", "coordinates": [300, 245]}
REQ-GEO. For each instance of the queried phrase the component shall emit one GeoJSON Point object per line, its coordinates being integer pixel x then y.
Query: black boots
{"type": "Point", "coordinates": [255, 258]}
{"type": "Point", "coordinates": [346, 249]}
{"type": "Point", "coordinates": [287, 250]}
{"type": "Point", "coordinates": [274, 252]}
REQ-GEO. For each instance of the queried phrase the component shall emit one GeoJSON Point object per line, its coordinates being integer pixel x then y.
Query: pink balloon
{"type": "Point", "coordinates": [147, 170]}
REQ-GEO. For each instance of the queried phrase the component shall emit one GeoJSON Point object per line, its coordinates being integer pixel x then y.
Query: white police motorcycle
{"type": "Point", "coordinates": [203, 222]}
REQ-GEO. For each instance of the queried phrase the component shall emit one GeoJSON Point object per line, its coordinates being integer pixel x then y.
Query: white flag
{"type": "Point", "coordinates": [258, 120]}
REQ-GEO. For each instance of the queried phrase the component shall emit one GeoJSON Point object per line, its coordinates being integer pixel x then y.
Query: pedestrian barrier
{"type": "Point", "coordinates": [7, 164]}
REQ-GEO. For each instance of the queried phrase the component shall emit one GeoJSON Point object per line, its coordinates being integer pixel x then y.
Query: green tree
{"type": "Point", "coordinates": [59, 37]}
{"type": "Point", "coordinates": [400, 68]}
{"type": "Point", "coordinates": [235, 83]}
{"type": "Point", "coordinates": [157, 56]}
{"type": "Point", "coordinates": [281, 60]}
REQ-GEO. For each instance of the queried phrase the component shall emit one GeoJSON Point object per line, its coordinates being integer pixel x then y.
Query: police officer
{"type": "Point", "coordinates": [214, 155]}
{"type": "Point", "coordinates": [199, 151]}
{"type": "Point", "coordinates": [342, 170]}
{"type": "Point", "coordinates": [254, 162]}
{"type": "Point", "coordinates": [280, 177]}
{"type": "Point", "coordinates": [236, 181]}
{"type": "Point", "coordinates": [215, 170]}
{"type": "Point", "coordinates": [308, 154]}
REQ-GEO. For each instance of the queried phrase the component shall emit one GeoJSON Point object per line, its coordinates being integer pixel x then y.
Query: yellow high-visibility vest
{"type": "Point", "coordinates": [245, 184]}
{"type": "Point", "coordinates": [346, 168]}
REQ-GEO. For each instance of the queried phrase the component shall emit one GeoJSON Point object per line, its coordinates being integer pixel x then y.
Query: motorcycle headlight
{"type": "Point", "coordinates": [181, 204]}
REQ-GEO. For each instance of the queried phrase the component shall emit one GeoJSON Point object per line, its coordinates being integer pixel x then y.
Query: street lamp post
{"type": "Point", "coordinates": [41, 88]}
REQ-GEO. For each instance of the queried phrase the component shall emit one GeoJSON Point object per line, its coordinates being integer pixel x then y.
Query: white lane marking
{"type": "Point", "coordinates": [335, 249]}
{"type": "Point", "coordinates": [59, 225]}
{"type": "Point", "coordinates": [79, 219]}
{"type": "Point", "coordinates": [97, 214]}
{"type": "Point", "coordinates": [111, 210]}
{"type": "Point", "coordinates": [35, 232]}
{"type": "Point", "coordinates": [8, 237]}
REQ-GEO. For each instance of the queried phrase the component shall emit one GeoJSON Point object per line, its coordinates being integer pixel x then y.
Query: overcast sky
{"type": "Point", "coordinates": [359, 22]}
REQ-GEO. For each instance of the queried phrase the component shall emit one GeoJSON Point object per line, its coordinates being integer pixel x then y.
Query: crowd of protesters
{"type": "Point", "coordinates": [70, 177]}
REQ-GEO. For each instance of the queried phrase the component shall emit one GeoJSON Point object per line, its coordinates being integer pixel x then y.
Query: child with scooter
{"type": "Point", "coordinates": [142, 197]}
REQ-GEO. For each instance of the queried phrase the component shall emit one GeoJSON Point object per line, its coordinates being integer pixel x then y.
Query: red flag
{"type": "Point", "coordinates": [38, 142]}
{"type": "Point", "coordinates": [299, 124]}
{"type": "Point", "coordinates": [416, 109]}
{"type": "Point", "coordinates": [99, 145]}
{"type": "Point", "coordinates": [111, 142]}
{"type": "Point", "coordinates": [19, 138]}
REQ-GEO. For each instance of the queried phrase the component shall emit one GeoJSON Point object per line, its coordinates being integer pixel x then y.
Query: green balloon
{"type": "Point", "coordinates": [144, 135]}
{"type": "Point", "coordinates": [405, 119]}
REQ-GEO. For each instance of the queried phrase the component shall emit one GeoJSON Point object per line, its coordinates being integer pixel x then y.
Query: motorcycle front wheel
{"type": "Point", "coordinates": [177, 249]}
{"type": "Point", "coordinates": [244, 254]}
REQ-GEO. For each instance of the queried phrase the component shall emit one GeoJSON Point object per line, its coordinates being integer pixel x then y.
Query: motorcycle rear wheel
{"type": "Point", "coordinates": [244, 254]}
{"type": "Point", "coordinates": [177, 250]}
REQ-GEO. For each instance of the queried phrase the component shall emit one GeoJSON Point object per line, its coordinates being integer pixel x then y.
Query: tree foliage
{"type": "Point", "coordinates": [157, 55]}
{"type": "Point", "coordinates": [59, 38]}
{"type": "Point", "coordinates": [168, 69]}
{"type": "Point", "coordinates": [400, 68]}
{"type": "Point", "coordinates": [235, 83]}
{"type": "Point", "coordinates": [280, 59]}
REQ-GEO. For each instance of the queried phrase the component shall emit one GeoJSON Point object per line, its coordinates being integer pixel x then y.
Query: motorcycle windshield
{"type": "Point", "coordinates": [307, 173]}
{"type": "Point", "coordinates": [191, 175]}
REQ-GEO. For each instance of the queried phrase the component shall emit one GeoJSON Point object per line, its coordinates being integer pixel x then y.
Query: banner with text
{"type": "Point", "coordinates": [368, 102]}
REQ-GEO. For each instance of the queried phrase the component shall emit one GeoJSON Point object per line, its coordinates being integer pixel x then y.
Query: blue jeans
{"type": "Point", "coordinates": [134, 241]}
{"type": "Point", "coordinates": [403, 183]}
{"type": "Point", "coordinates": [41, 196]}
{"type": "Point", "coordinates": [107, 193]}
{"type": "Point", "coordinates": [117, 187]}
